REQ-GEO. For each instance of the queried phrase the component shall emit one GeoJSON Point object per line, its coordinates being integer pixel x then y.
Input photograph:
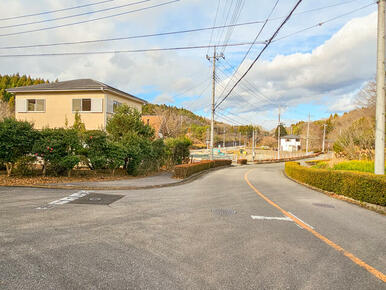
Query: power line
{"type": "Point", "coordinates": [221, 115]}
{"type": "Point", "coordinates": [236, 15]}
{"type": "Point", "coordinates": [185, 31]}
{"type": "Point", "coordinates": [75, 15]}
{"type": "Point", "coordinates": [324, 22]}
{"type": "Point", "coordinates": [132, 37]}
{"type": "Point", "coordinates": [214, 24]}
{"type": "Point", "coordinates": [250, 89]}
{"type": "Point", "coordinates": [54, 11]}
{"type": "Point", "coordinates": [89, 20]}
{"type": "Point", "coordinates": [261, 52]}
{"type": "Point", "coordinates": [316, 9]}
{"type": "Point", "coordinates": [121, 51]}
{"type": "Point", "coordinates": [249, 49]}
{"type": "Point", "coordinates": [226, 19]}
{"type": "Point", "coordinates": [165, 33]}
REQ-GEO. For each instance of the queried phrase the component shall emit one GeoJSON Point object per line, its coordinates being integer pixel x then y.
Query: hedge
{"type": "Point", "coordinates": [361, 186]}
{"type": "Point", "coordinates": [242, 161]}
{"type": "Point", "coordinates": [185, 170]}
{"type": "Point", "coordinates": [286, 159]}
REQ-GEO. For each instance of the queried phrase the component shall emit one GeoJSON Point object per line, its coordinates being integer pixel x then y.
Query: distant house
{"type": "Point", "coordinates": [290, 143]}
{"type": "Point", "coordinates": [153, 121]}
{"type": "Point", "coordinates": [53, 105]}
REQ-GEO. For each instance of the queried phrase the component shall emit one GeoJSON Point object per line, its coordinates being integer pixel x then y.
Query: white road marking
{"type": "Point", "coordinates": [64, 200]}
{"type": "Point", "coordinates": [301, 220]}
{"type": "Point", "coordinates": [259, 217]}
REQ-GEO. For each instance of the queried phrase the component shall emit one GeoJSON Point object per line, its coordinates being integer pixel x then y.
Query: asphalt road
{"type": "Point", "coordinates": [194, 236]}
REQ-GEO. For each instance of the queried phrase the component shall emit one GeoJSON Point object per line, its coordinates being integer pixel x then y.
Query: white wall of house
{"type": "Point", "coordinates": [290, 145]}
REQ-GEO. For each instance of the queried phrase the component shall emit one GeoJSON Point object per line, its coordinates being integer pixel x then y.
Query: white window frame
{"type": "Point", "coordinates": [35, 111]}
{"type": "Point", "coordinates": [81, 105]}
{"type": "Point", "coordinates": [96, 105]}
{"type": "Point", "coordinates": [116, 104]}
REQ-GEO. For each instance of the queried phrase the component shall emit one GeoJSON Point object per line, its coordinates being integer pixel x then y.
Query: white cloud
{"type": "Point", "coordinates": [331, 71]}
{"type": "Point", "coordinates": [163, 98]}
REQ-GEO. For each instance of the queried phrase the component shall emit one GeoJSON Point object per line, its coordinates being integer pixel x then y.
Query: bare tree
{"type": "Point", "coordinates": [5, 111]}
{"type": "Point", "coordinates": [171, 122]}
{"type": "Point", "coordinates": [367, 96]}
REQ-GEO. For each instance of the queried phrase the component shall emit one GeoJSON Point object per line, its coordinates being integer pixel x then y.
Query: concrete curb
{"type": "Point", "coordinates": [373, 207]}
{"type": "Point", "coordinates": [79, 187]}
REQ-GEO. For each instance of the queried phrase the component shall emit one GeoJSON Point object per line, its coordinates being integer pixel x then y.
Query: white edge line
{"type": "Point", "coordinates": [257, 217]}
{"type": "Point", "coordinates": [64, 200]}
{"type": "Point", "coordinates": [301, 220]}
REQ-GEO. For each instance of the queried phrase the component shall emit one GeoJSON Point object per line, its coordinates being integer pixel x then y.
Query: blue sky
{"type": "Point", "coordinates": [318, 70]}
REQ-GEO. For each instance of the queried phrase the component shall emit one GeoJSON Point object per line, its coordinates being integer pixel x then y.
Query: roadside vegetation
{"type": "Point", "coordinates": [350, 165]}
{"type": "Point", "coordinates": [127, 144]}
{"type": "Point", "coordinates": [362, 186]}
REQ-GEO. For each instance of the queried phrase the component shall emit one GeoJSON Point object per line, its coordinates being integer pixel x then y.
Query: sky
{"type": "Point", "coordinates": [308, 68]}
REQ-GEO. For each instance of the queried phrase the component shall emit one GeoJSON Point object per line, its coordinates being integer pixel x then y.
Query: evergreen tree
{"type": "Point", "coordinates": [15, 80]}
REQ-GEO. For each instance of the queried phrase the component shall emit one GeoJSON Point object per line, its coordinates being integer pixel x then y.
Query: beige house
{"type": "Point", "coordinates": [53, 105]}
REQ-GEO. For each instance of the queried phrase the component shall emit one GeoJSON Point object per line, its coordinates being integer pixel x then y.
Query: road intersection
{"type": "Point", "coordinates": [215, 232]}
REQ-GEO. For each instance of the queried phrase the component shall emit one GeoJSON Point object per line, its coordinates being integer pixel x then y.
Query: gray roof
{"type": "Point", "coordinates": [73, 85]}
{"type": "Point", "coordinates": [290, 137]}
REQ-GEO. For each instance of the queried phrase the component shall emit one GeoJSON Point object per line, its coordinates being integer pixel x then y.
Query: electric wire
{"type": "Point", "coordinates": [130, 37]}
{"type": "Point", "coordinates": [261, 52]}
{"type": "Point", "coordinates": [177, 32]}
{"type": "Point", "coordinates": [89, 20]}
{"type": "Point", "coordinates": [122, 51]}
{"type": "Point", "coordinates": [74, 15]}
{"type": "Point", "coordinates": [235, 17]}
{"type": "Point", "coordinates": [326, 21]}
{"type": "Point", "coordinates": [214, 24]}
{"type": "Point", "coordinates": [249, 49]}
{"type": "Point", "coordinates": [54, 11]}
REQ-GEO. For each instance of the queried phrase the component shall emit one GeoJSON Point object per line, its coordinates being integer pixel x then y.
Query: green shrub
{"type": "Point", "coordinates": [58, 149]}
{"type": "Point", "coordinates": [25, 165]}
{"type": "Point", "coordinates": [127, 119]}
{"type": "Point", "coordinates": [154, 157]}
{"type": "Point", "coordinates": [16, 141]}
{"type": "Point", "coordinates": [177, 150]}
{"type": "Point", "coordinates": [361, 186]}
{"type": "Point", "coordinates": [356, 165]}
{"type": "Point", "coordinates": [321, 165]}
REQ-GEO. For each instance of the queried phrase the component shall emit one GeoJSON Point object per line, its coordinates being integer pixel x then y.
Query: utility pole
{"type": "Point", "coordinates": [207, 139]}
{"type": "Point", "coordinates": [324, 136]}
{"type": "Point", "coordinates": [214, 58]}
{"type": "Point", "coordinates": [308, 133]}
{"type": "Point", "coordinates": [278, 138]}
{"type": "Point", "coordinates": [379, 164]}
{"type": "Point", "coordinates": [253, 144]}
{"type": "Point", "coordinates": [223, 143]}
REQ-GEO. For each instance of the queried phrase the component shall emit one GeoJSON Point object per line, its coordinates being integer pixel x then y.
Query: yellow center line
{"type": "Point", "coordinates": [349, 255]}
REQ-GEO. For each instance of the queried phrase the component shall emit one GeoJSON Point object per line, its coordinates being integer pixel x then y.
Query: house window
{"type": "Point", "coordinates": [81, 105]}
{"type": "Point", "coordinates": [36, 105]}
{"type": "Point", "coordinates": [116, 105]}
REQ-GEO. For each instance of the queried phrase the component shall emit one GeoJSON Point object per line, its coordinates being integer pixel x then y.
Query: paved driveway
{"type": "Point", "coordinates": [193, 236]}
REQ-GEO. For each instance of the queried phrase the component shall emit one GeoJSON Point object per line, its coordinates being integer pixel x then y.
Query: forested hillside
{"type": "Point", "coordinates": [177, 122]}
{"type": "Point", "coordinates": [351, 135]}
{"type": "Point", "coordinates": [15, 80]}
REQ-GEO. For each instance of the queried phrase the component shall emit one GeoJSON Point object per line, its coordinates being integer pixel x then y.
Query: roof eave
{"type": "Point", "coordinates": [128, 96]}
